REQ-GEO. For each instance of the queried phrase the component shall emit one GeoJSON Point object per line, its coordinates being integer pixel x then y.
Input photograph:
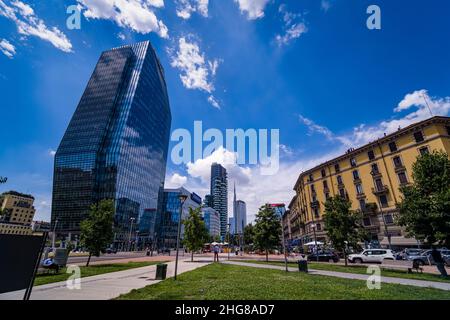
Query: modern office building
{"type": "Point", "coordinates": [219, 193]}
{"type": "Point", "coordinates": [212, 221]}
{"type": "Point", "coordinates": [116, 144]}
{"type": "Point", "coordinates": [168, 226]}
{"type": "Point", "coordinates": [16, 214]}
{"type": "Point", "coordinates": [370, 177]}
{"type": "Point", "coordinates": [231, 226]}
{"type": "Point", "coordinates": [239, 214]}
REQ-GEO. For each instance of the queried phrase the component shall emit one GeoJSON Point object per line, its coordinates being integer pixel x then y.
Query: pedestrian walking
{"type": "Point", "coordinates": [440, 263]}
{"type": "Point", "coordinates": [216, 253]}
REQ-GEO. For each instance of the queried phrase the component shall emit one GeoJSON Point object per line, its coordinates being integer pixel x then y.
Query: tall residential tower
{"type": "Point", "coordinates": [116, 144]}
{"type": "Point", "coordinates": [219, 195]}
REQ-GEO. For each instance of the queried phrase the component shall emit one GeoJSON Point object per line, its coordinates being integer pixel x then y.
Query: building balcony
{"type": "Point", "coordinates": [315, 204]}
{"type": "Point", "coordinates": [356, 180]}
{"type": "Point", "coordinates": [375, 173]}
{"type": "Point", "coordinates": [360, 196]}
{"type": "Point", "coordinates": [400, 168]}
{"type": "Point", "coordinates": [380, 190]}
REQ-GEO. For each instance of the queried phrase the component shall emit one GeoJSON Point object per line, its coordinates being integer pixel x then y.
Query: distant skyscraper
{"type": "Point", "coordinates": [239, 214]}
{"type": "Point", "coordinates": [212, 221]}
{"type": "Point", "coordinates": [116, 144]}
{"type": "Point", "coordinates": [232, 224]}
{"type": "Point", "coordinates": [219, 193]}
{"type": "Point", "coordinates": [168, 227]}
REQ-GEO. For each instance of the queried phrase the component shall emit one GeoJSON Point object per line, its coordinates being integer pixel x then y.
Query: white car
{"type": "Point", "coordinates": [371, 256]}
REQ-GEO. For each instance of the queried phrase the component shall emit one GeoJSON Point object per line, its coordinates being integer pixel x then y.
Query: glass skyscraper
{"type": "Point", "coordinates": [171, 205]}
{"type": "Point", "coordinates": [116, 144]}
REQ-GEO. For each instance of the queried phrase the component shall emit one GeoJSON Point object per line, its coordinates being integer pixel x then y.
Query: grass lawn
{"type": "Point", "coordinates": [360, 270]}
{"type": "Point", "coordinates": [221, 281]}
{"type": "Point", "coordinates": [89, 271]}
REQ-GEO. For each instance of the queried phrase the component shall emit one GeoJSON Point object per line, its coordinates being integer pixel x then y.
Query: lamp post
{"type": "Point", "coordinates": [229, 227]}
{"type": "Point", "coordinates": [182, 198]}
{"type": "Point", "coordinates": [54, 234]}
{"type": "Point", "coordinates": [129, 236]}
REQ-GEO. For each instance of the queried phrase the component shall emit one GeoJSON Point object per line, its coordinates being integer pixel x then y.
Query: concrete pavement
{"type": "Point", "coordinates": [106, 286]}
{"type": "Point", "coordinates": [353, 276]}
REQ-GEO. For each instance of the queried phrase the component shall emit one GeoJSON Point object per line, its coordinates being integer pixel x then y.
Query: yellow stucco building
{"type": "Point", "coordinates": [370, 177]}
{"type": "Point", "coordinates": [17, 212]}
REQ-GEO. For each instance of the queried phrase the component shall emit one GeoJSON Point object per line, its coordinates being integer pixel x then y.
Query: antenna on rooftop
{"type": "Point", "coordinates": [428, 106]}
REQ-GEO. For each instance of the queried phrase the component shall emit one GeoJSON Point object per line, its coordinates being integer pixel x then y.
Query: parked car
{"type": "Point", "coordinates": [409, 252]}
{"type": "Point", "coordinates": [424, 258]}
{"type": "Point", "coordinates": [111, 250]}
{"type": "Point", "coordinates": [372, 256]}
{"type": "Point", "coordinates": [323, 256]}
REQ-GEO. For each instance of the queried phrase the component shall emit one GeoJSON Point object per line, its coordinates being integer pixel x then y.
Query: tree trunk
{"type": "Point", "coordinates": [89, 260]}
{"type": "Point", "coordinates": [192, 256]}
{"type": "Point", "coordinates": [267, 255]}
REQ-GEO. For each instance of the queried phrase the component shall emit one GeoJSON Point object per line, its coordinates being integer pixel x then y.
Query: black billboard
{"type": "Point", "coordinates": [18, 257]}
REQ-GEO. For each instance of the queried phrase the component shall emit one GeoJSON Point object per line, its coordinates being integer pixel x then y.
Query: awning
{"type": "Point", "coordinates": [399, 241]}
{"type": "Point", "coordinates": [313, 243]}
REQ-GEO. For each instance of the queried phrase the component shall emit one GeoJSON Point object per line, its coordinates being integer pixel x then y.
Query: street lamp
{"type": "Point", "coordinates": [54, 234]}
{"type": "Point", "coordinates": [182, 198]}
{"type": "Point", "coordinates": [129, 236]}
{"type": "Point", "coordinates": [229, 229]}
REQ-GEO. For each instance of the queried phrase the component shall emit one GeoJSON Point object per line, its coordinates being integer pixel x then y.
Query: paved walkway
{"type": "Point", "coordinates": [354, 276]}
{"type": "Point", "coordinates": [105, 286]}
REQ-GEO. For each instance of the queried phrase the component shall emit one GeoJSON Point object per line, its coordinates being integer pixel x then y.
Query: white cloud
{"type": "Point", "coordinates": [121, 36]}
{"type": "Point", "coordinates": [201, 168]}
{"type": "Point", "coordinates": [185, 8]}
{"type": "Point", "coordinates": [137, 15]}
{"type": "Point", "coordinates": [175, 181]}
{"type": "Point", "coordinates": [29, 24]}
{"type": "Point", "coordinates": [363, 133]}
{"type": "Point", "coordinates": [253, 8]}
{"type": "Point", "coordinates": [196, 72]}
{"type": "Point", "coordinates": [213, 102]}
{"type": "Point", "coordinates": [292, 28]}
{"type": "Point", "coordinates": [325, 5]}
{"type": "Point", "coordinates": [315, 128]}
{"type": "Point", "coordinates": [252, 187]}
{"type": "Point", "coordinates": [52, 152]}
{"type": "Point", "coordinates": [416, 98]}
{"type": "Point", "coordinates": [7, 48]}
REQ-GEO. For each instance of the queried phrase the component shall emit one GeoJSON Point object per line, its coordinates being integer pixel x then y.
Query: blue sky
{"type": "Point", "coordinates": [310, 68]}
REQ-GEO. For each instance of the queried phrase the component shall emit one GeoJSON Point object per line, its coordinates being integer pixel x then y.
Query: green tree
{"type": "Point", "coordinates": [195, 232]}
{"type": "Point", "coordinates": [342, 225]}
{"type": "Point", "coordinates": [425, 207]}
{"type": "Point", "coordinates": [267, 230]}
{"type": "Point", "coordinates": [97, 230]}
{"type": "Point", "coordinates": [249, 234]}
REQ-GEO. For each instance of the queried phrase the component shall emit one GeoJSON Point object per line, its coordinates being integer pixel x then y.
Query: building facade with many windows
{"type": "Point", "coordinates": [116, 144]}
{"type": "Point", "coordinates": [16, 214]}
{"type": "Point", "coordinates": [370, 177]}
{"type": "Point", "coordinates": [171, 205]}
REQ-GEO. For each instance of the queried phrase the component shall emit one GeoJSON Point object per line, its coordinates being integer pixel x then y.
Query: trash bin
{"type": "Point", "coordinates": [303, 266]}
{"type": "Point", "coordinates": [161, 271]}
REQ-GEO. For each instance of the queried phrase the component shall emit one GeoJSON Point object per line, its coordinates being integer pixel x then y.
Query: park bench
{"type": "Point", "coordinates": [406, 265]}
